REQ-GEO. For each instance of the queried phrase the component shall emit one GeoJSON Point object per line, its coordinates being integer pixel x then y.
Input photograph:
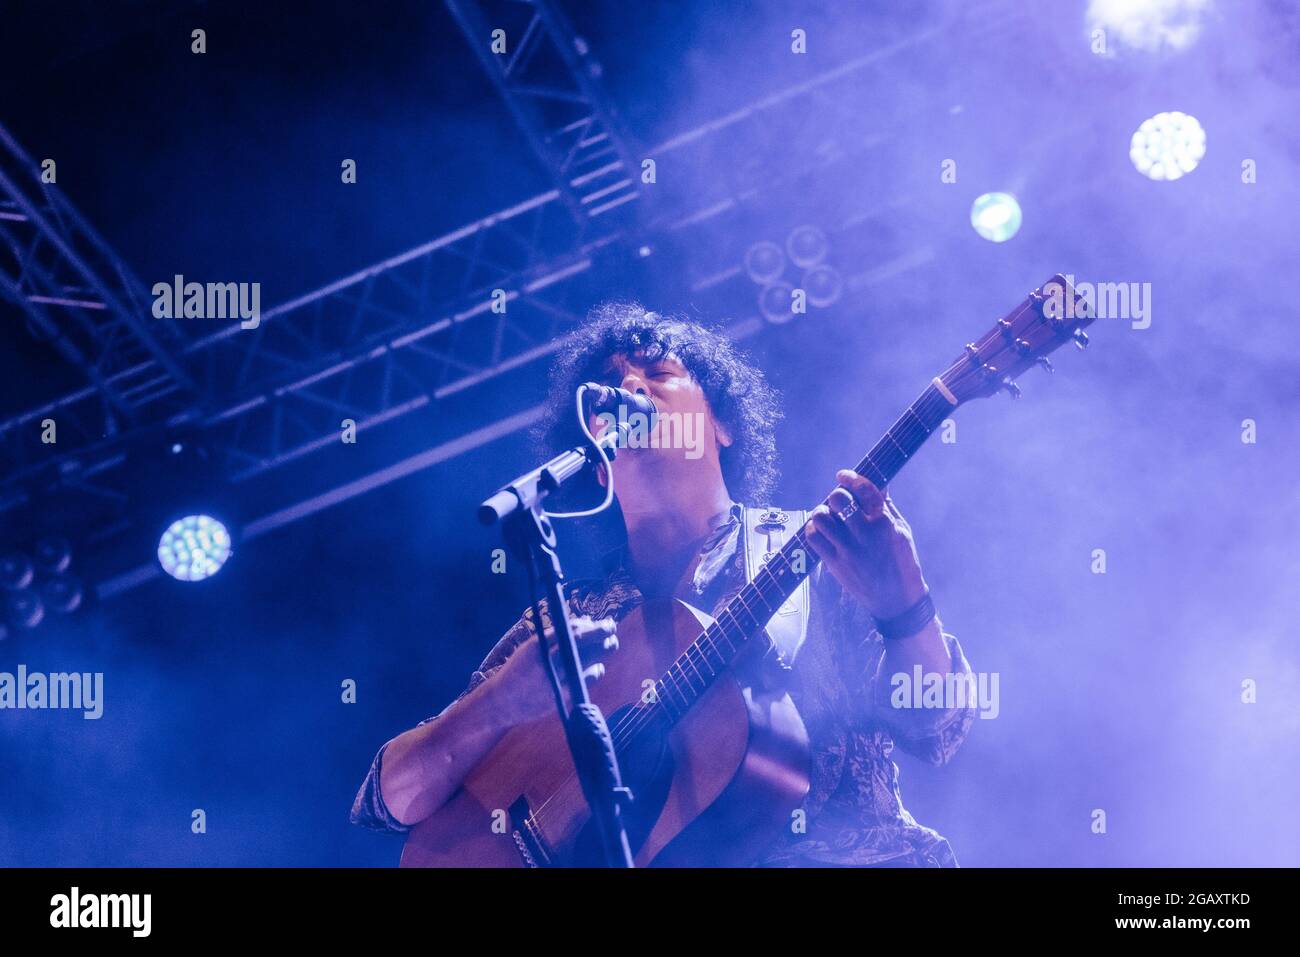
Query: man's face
{"type": "Point", "coordinates": [686, 427]}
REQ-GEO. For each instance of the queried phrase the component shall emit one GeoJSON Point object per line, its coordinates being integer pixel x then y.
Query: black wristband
{"type": "Point", "coordinates": [909, 622]}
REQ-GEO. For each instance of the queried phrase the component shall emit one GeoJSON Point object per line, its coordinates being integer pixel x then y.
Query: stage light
{"type": "Point", "coordinates": [823, 286]}
{"type": "Point", "coordinates": [24, 608]}
{"type": "Point", "coordinates": [193, 548]}
{"type": "Point", "coordinates": [1149, 25]}
{"type": "Point", "coordinates": [62, 594]}
{"type": "Point", "coordinates": [764, 262]}
{"type": "Point", "coordinates": [15, 571]}
{"type": "Point", "coordinates": [996, 216]}
{"type": "Point", "coordinates": [33, 588]}
{"type": "Point", "coordinates": [1167, 146]}
{"type": "Point", "coordinates": [53, 555]}
{"type": "Point", "coordinates": [806, 246]}
{"type": "Point", "coordinates": [776, 303]}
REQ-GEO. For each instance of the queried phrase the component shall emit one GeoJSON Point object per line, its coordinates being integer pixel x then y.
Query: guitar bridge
{"type": "Point", "coordinates": [527, 837]}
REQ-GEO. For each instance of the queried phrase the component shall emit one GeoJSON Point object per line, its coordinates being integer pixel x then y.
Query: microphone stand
{"type": "Point", "coordinates": [531, 536]}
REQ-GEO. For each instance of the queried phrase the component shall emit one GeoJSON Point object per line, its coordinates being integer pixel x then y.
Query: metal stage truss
{"type": "Point", "coordinates": [399, 334]}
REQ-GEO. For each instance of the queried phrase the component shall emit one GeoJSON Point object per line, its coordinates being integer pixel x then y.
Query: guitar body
{"type": "Point", "coordinates": [713, 789]}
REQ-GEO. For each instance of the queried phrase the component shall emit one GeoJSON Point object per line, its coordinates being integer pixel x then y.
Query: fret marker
{"type": "Point", "coordinates": [943, 391]}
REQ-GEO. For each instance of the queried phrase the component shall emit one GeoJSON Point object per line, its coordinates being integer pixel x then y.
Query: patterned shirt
{"type": "Point", "coordinates": [853, 813]}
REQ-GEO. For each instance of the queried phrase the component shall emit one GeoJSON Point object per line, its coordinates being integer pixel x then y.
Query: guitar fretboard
{"type": "Point", "coordinates": [744, 616]}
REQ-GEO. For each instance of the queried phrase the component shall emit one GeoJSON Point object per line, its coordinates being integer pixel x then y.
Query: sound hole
{"type": "Point", "coordinates": [646, 764]}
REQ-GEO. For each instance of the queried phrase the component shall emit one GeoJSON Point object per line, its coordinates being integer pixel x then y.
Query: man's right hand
{"type": "Point", "coordinates": [523, 688]}
{"type": "Point", "coordinates": [423, 767]}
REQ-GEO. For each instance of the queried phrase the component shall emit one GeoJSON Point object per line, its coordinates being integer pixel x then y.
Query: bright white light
{"type": "Point", "coordinates": [1146, 24]}
{"type": "Point", "coordinates": [193, 548]}
{"type": "Point", "coordinates": [1167, 146]}
{"type": "Point", "coordinates": [996, 216]}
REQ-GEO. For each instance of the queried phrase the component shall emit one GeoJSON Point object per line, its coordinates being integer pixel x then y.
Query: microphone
{"type": "Point", "coordinates": [607, 398]}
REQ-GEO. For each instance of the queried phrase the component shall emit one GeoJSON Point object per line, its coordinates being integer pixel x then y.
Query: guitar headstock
{"type": "Point", "coordinates": [1045, 320]}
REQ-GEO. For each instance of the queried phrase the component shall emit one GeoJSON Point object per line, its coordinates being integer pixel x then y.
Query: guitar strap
{"type": "Point", "coordinates": [765, 531]}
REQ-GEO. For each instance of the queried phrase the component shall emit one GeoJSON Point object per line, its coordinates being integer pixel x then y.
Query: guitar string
{"type": "Point", "coordinates": [642, 715]}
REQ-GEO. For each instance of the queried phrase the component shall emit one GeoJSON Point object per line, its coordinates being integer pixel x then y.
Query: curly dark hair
{"type": "Point", "coordinates": [738, 394]}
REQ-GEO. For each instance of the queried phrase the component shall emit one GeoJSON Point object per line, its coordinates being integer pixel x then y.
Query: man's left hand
{"type": "Point", "coordinates": [871, 553]}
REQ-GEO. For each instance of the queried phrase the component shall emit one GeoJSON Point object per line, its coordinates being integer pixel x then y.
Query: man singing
{"type": "Point", "coordinates": [870, 614]}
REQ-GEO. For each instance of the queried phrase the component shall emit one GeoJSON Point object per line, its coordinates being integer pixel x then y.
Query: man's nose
{"type": "Point", "coordinates": [635, 383]}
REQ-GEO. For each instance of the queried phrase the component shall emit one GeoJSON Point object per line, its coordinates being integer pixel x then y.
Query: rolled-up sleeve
{"type": "Point", "coordinates": [368, 808]}
{"type": "Point", "coordinates": [929, 729]}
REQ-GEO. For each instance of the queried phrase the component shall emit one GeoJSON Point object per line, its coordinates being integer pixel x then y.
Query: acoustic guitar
{"type": "Point", "coordinates": [716, 764]}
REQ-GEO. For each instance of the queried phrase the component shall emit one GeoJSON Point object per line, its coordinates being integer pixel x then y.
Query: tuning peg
{"type": "Point", "coordinates": [1046, 363]}
{"type": "Point", "coordinates": [1012, 389]}
{"type": "Point", "coordinates": [1080, 339]}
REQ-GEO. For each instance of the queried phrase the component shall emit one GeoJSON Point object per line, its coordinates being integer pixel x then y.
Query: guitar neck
{"type": "Point", "coordinates": [744, 616]}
